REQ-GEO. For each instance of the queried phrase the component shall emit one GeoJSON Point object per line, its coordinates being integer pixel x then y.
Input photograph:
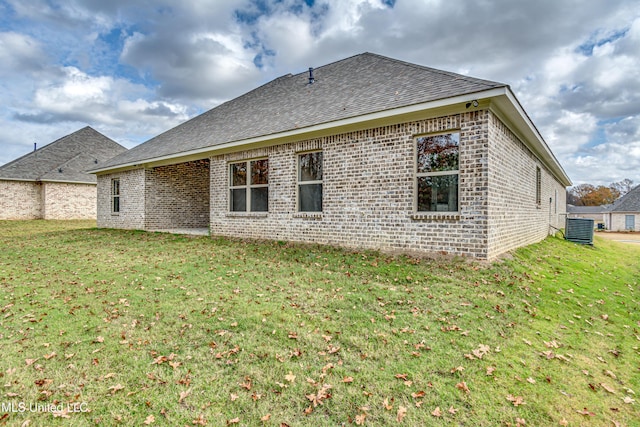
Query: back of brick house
{"type": "Point", "coordinates": [372, 153]}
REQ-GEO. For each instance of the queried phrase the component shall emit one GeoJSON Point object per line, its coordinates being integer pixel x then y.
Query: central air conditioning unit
{"type": "Point", "coordinates": [579, 230]}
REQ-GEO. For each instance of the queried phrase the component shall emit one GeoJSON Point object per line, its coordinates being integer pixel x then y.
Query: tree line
{"type": "Point", "coordinates": [590, 195]}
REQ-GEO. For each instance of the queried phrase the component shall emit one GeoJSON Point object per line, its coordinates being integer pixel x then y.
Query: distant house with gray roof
{"type": "Point", "coordinates": [366, 152]}
{"type": "Point", "coordinates": [52, 182]}
{"type": "Point", "coordinates": [624, 214]}
{"type": "Point", "coordinates": [596, 213]}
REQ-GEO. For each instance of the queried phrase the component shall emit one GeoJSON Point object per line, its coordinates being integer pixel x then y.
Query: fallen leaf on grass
{"type": "Point", "coordinates": [360, 419]}
{"type": "Point", "coordinates": [290, 377]}
{"type": "Point", "coordinates": [402, 412]}
{"type": "Point", "coordinates": [628, 399]}
{"type": "Point", "coordinates": [61, 414]}
{"type": "Point", "coordinates": [266, 417]}
{"type": "Point", "coordinates": [201, 420]}
{"type": "Point", "coordinates": [490, 370]}
{"type": "Point", "coordinates": [50, 355]}
{"type": "Point", "coordinates": [184, 395]}
{"type": "Point", "coordinates": [607, 388]}
{"type": "Point", "coordinates": [236, 420]}
{"type": "Point", "coordinates": [586, 412]}
{"type": "Point", "coordinates": [149, 420]}
{"type": "Point", "coordinates": [347, 380]}
{"type": "Point", "coordinates": [516, 400]}
{"type": "Point", "coordinates": [520, 422]}
{"type": "Point", "coordinates": [30, 362]}
{"type": "Point", "coordinates": [452, 410]}
{"type": "Point", "coordinates": [563, 422]}
{"type": "Point", "coordinates": [116, 388]}
{"type": "Point", "coordinates": [320, 396]}
{"type": "Point", "coordinates": [436, 412]}
{"type": "Point", "coordinates": [386, 404]}
{"type": "Point", "coordinates": [462, 386]}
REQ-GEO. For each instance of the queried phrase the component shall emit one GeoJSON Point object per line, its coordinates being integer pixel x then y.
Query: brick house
{"type": "Point", "coordinates": [624, 213]}
{"type": "Point", "coordinates": [366, 152]}
{"type": "Point", "coordinates": [51, 182]}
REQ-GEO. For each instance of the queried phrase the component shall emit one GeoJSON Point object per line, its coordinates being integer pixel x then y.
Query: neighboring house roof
{"type": "Point", "coordinates": [345, 94]}
{"type": "Point", "coordinates": [586, 210]}
{"type": "Point", "coordinates": [65, 160]}
{"type": "Point", "coordinates": [630, 202]}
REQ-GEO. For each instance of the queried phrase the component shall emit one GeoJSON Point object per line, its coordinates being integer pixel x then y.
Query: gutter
{"type": "Point", "coordinates": [60, 181]}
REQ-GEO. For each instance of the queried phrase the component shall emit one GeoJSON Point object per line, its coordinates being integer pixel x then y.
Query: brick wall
{"type": "Point", "coordinates": [132, 203]}
{"type": "Point", "coordinates": [368, 192]}
{"type": "Point", "coordinates": [47, 200]}
{"type": "Point", "coordinates": [68, 201]}
{"type": "Point", "coordinates": [515, 219]}
{"type": "Point", "coordinates": [177, 196]}
{"type": "Point", "coordinates": [165, 197]}
{"type": "Point", "coordinates": [618, 221]}
{"type": "Point", "coordinates": [20, 200]}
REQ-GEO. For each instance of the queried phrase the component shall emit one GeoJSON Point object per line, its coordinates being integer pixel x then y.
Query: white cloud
{"type": "Point", "coordinates": [19, 54]}
{"type": "Point", "coordinates": [135, 68]}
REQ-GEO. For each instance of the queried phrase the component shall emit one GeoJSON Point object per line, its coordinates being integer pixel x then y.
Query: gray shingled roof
{"type": "Point", "coordinates": [66, 159]}
{"type": "Point", "coordinates": [587, 209]}
{"type": "Point", "coordinates": [630, 202]}
{"type": "Point", "coordinates": [359, 85]}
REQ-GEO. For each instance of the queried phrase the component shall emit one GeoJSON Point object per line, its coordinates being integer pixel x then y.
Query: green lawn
{"type": "Point", "coordinates": [116, 327]}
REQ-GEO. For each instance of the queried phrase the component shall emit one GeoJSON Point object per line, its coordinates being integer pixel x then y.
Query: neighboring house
{"type": "Point", "coordinates": [596, 213]}
{"type": "Point", "coordinates": [51, 182]}
{"type": "Point", "coordinates": [366, 152]}
{"type": "Point", "coordinates": [624, 214]}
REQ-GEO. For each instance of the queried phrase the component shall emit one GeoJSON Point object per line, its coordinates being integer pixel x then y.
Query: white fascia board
{"type": "Point", "coordinates": [59, 181]}
{"type": "Point", "coordinates": [296, 134]}
{"type": "Point", "coordinates": [18, 179]}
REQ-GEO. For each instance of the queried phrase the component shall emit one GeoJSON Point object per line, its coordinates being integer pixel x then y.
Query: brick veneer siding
{"type": "Point", "coordinates": [165, 197]}
{"type": "Point", "coordinates": [618, 221]}
{"type": "Point", "coordinates": [177, 196]}
{"type": "Point", "coordinates": [47, 200]}
{"type": "Point", "coordinates": [20, 200]}
{"type": "Point", "coordinates": [68, 201]}
{"type": "Point", "coordinates": [368, 192]}
{"type": "Point", "coordinates": [132, 203]}
{"type": "Point", "coordinates": [514, 217]}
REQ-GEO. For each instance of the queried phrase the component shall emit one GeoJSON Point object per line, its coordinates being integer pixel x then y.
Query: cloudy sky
{"type": "Point", "coordinates": [134, 68]}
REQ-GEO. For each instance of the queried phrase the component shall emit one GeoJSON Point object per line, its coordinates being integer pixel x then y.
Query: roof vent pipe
{"type": "Point", "coordinates": [35, 146]}
{"type": "Point", "coordinates": [311, 79]}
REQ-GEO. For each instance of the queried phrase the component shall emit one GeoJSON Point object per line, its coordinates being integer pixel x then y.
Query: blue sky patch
{"type": "Point", "coordinates": [587, 47]}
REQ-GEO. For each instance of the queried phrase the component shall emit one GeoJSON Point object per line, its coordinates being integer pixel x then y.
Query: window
{"type": "Point", "coordinates": [310, 182]}
{"type": "Point", "coordinates": [538, 186]}
{"type": "Point", "coordinates": [437, 172]}
{"type": "Point", "coordinates": [249, 186]}
{"type": "Point", "coordinates": [115, 195]}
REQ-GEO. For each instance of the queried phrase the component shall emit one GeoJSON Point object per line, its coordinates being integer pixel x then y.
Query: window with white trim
{"type": "Point", "coordinates": [115, 195]}
{"type": "Point", "coordinates": [249, 186]}
{"type": "Point", "coordinates": [310, 182]}
{"type": "Point", "coordinates": [437, 172]}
